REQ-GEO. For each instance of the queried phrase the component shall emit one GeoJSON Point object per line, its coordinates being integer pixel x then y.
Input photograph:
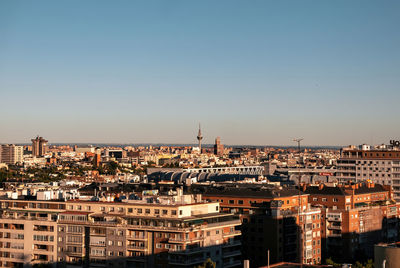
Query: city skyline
{"type": "Point", "coordinates": [148, 72]}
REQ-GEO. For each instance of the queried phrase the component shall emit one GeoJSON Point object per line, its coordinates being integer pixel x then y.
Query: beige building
{"type": "Point", "coordinates": [377, 165]}
{"type": "Point", "coordinates": [28, 232]}
{"type": "Point", "coordinates": [11, 154]}
{"type": "Point", "coordinates": [170, 231]}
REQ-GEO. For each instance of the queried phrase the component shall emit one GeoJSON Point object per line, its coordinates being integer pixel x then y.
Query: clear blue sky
{"type": "Point", "coordinates": [252, 72]}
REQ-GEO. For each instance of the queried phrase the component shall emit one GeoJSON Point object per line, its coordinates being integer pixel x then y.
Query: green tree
{"type": "Point", "coordinates": [112, 168]}
{"type": "Point", "coordinates": [369, 264]}
{"type": "Point", "coordinates": [329, 261]}
{"type": "Point", "coordinates": [358, 265]}
{"type": "Point", "coordinates": [207, 264]}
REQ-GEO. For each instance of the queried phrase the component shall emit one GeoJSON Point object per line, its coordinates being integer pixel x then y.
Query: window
{"type": "Point", "coordinates": [74, 239]}
{"type": "Point", "coordinates": [74, 229]}
{"type": "Point", "coordinates": [240, 202]}
{"type": "Point", "coordinates": [173, 212]}
{"type": "Point", "coordinates": [231, 201]}
{"type": "Point", "coordinates": [130, 210]}
{"type": "Point", "coordinates": [102, 208]}
{"type": "Point", "coordinates": [180, 212]}
{"type": "Point", "coordinates": [139, 211]}
{"type": "Point", "coordinates": [323, 199]}
{"type": "Point", "coordinates": [157, 211]}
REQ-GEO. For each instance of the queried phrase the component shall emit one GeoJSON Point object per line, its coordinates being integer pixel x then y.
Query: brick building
{"type": "Point", "coordinates": [355, 218]}
{"type": "Point", "coordinates": [271, 221]}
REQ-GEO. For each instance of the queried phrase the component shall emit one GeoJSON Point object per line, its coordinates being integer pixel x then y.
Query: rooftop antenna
{"type": "Point", "coordinates": [199, 137]}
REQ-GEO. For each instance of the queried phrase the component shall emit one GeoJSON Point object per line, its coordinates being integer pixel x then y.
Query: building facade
{"type": "Point", "coordinates": [162, 232]}
{"type": "Point", "coordinates": [272, 221]}
{"type": "Point", "coordinates": [218, 147]}
{"type": "Point", "coordinates": [39, 146]}
{"type": "Point", "coordinates": [377, 165]}
{"type": "Point", "coordinates": [11, 154]}
{"type": "Point", "coordinates": [356, 217]}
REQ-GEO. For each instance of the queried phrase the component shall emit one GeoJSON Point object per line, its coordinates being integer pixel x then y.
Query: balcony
{"type": "Point", "coordinates": [231, 253]}
{"type": "Point", "coordinates": [335, 227]}
{"type": "Point", "coordinates": [186, 262]}
{"type": "Point", "coordinates": [232, 244]}
{"type": "Point", "coordinates": [97, 244]}
{"type": "Point", "coordinates": [74, 253]}
{"type": "Point", "coordinates": [334, 235]}
{"type": "Point", "coordinates": [236, 263]}
{"type": "Point", "coordinates": [136, 237]}
{"type": "Point", "coordinates": [185, 240]}
{"type": "Point", "coordinates": [135, 247]}
{"type": "Point", "coordinates": [234, 233]}
{"type": "Point", "coordinates": [187, 251]}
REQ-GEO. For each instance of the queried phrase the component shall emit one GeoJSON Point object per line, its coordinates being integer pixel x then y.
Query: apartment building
{"type": "Point", "coordinates": [11, 154]}
{"type": "Point", "coordinates": [28, 232]}
{"type": "Point", "coordinates": [170, 231]}
{"type": "Point", "coordinates": [271, 220]}
{"type": "Point", "coordinates": [355, 218]}
{"type": "Point", "coordinates": [39, 146]}
{"type": "Point", "coordinates": [380, 165]}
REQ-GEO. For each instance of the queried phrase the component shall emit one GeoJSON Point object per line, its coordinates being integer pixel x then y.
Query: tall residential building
{"type": "Point", "coordinates": [11, 154]}
{"type": "Point", "coordinates": [377, 165]}
{"type": "Point", "coordinates": [271, 221]}
{"type": "Point", "coordinates": [159, 231]}
{"type": "Point", "coordinates": [39, 146]}
{"type": "Point", "coordinates": [218, 147]}
{"type": "Point", "coordinates": [28, 232]}
{"type": "Point", "coordinates": [356, 217]}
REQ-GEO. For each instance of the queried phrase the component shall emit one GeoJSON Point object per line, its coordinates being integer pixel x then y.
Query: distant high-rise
{"type": "Point", "coordinates": [39, 146]}
{"type": "Point", "coordinates": [199, 137]}
{"type": "Point", "coordinates": [218, 147]}
{"type": "Point", "coordinates": [11, 154]}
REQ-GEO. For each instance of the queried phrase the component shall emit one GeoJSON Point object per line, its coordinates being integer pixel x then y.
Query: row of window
{"type": "Point", "coordinates": [324, 199]}
{"type": "Point", "coordinates": [129, 210]}
{"type": "Point", "coordinates": [43, 238]}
